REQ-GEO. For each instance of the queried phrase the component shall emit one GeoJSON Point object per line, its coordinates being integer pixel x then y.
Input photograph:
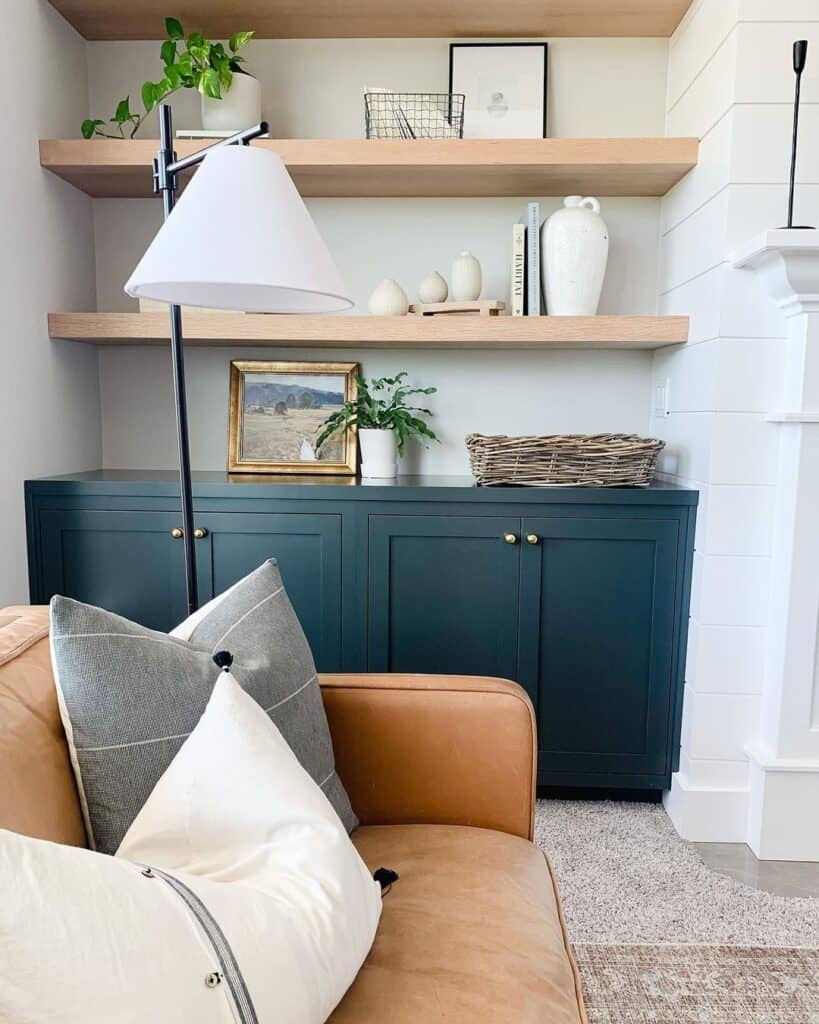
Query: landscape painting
{"type": "Point", "coordinates": [277, 411]}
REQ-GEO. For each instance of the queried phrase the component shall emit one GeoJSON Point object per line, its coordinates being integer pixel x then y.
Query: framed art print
{"type": "Point", "coordinates": [505, 88]}
{"type": "Point", "coordinates": [277, 411]}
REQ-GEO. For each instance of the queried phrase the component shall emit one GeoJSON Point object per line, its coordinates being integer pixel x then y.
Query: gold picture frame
{"type": "Point", "coordinates": [277, 410]}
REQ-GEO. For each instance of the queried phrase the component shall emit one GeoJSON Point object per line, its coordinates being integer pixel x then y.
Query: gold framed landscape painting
{"type": "Point", "coordinates": [277, 411]}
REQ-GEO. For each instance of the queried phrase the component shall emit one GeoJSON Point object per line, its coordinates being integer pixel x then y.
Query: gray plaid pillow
{"type": "Point", "coordinates": [129, 696]}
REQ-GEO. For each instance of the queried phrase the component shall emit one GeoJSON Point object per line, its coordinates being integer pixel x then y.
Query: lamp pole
{"type": "Point", "coordinates": [166, 171]}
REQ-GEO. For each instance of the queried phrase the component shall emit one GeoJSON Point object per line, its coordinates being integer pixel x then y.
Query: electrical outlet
{"type": "Point", "coordinates": [661, 401]}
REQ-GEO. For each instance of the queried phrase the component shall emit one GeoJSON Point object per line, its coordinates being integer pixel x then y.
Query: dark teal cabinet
{"type": "Point", "coordinates": [596, 643]}
{"type": "Point", "coordinates": [443, 595]}
{"type": "Point", "coordinates": [580, 595]}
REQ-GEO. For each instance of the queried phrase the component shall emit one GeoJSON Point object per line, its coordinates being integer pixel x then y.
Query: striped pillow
{"type": "Point", "coordinates": [129, 696]}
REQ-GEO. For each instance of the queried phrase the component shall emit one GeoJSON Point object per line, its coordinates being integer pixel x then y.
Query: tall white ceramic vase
{"type": "Point", "coordinates": [379, 454]}
{"type": "Point", "coordinates": [575, 247]}
{"type": "Point", "coordinates": [240, 107]}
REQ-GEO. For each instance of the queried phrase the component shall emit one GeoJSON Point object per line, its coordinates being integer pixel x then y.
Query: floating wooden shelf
{"type": "Point", "coordinates": [407, 332]}
{"type": "Point", "coordinates": [396, 167]}
{"type": "Point", "coordinates": [319, 19]}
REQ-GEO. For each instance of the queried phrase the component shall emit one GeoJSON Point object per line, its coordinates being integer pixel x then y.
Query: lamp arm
{"type": "Point", "coordinates": [239, 139]}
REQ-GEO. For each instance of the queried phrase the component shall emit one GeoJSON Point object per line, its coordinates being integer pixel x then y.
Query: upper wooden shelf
{"type": "Point", "coordinates": [396, 167]}
{"type": "Point", "coordinates": [390, 332]}
{"type": "Point", "coordinates": [322, 19]}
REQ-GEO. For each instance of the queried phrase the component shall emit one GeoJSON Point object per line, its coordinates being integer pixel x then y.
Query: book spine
{"type": "Point", "coordinates": [533, 260]}
{"type": "Point", "coordinates": [516, 303]}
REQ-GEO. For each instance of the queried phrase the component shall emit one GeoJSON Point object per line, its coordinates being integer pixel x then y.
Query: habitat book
{"type": "Point", "coordinates": [517, 296]}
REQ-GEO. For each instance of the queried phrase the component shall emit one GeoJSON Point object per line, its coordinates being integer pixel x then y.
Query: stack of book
{"type": "Point", "coordinates": [525, 293]}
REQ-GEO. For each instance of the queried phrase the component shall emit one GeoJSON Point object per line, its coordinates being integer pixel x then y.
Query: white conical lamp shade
{"type": "Point", "coordinates": [240, 237]}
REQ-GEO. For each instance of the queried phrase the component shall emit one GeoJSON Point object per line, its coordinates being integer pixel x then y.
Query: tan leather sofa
{"type": "Point", "coordinates": [441, 773]}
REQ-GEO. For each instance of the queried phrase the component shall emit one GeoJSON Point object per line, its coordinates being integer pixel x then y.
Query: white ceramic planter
{"type": "Point", "coordinates": [575, 247]}
{"type": "Point", "coordinates": [240, 107]}
{"type": "Point", "coordinates": [379, 454]}
{"type": "Point", "coordinates": [389, 299]}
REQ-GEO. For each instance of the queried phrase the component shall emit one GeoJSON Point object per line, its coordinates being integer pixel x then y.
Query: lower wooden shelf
{"type": "Point", "coordinates": [407, 332]}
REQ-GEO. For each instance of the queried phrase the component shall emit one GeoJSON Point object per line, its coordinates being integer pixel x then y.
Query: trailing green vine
{"type": "Point", "coordinates": [191, 62]}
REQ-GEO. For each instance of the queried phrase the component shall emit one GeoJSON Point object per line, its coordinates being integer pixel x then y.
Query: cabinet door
{"type": "Point", "coordinates": [307, 549]}
{"type": "Point", "coordinates": [443, 594]}
{"type": "Point", "coordinates": [126, 562]}
{"type": "Point", "coordinates": [596, 637]}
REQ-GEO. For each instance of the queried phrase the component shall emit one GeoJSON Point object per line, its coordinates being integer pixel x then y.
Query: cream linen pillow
{"type": "Point", "coordinates": [236, 895]}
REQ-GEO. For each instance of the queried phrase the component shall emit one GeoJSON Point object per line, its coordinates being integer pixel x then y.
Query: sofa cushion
{"type": "Point", "coordinates": [236, 896]}
{"type": "Point", "coordinates": [37, 796]}
{"type": "Point", "coordinates": [129, 695]}
{"type": "Point", "coordinates": [471, 933]}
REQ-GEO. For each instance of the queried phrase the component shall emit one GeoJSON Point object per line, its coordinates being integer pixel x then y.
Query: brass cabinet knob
{"type": "Point", "coordinates": [177, 533]}
{"type": "Point", "coordinates": [532, 538]}
{"type": "Point", "coordinates": [200, 532]}
{"type": "Point", "coordinates": [510, 538]}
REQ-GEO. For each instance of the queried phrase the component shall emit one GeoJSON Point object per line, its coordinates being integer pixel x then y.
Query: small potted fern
{"type": "Point", "coordinates": [385, 421]}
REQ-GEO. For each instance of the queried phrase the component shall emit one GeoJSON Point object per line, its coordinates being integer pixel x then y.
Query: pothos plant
{"type": "Point", "coordinates": [382, 404]}
{"type": "Point", "coordinates": [191, 62]}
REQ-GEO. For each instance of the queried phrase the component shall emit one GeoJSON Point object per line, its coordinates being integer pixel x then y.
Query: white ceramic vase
{"type": "Point", "coordinates": [389, 299]}
{"type": "Point", "coordinates": [466, 278]}
{"type": "Point", "coordinates": [575, 248]}
{"type": "Point", "coordinates": [379, 454]}
{"type": "Point", "coordinates": [240, 107]}
{"type": "Point", "coordinates": [433, 288]}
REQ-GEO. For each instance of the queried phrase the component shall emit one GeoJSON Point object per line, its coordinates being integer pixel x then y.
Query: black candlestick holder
{"type": "Point", "coordinates": [800, 57]}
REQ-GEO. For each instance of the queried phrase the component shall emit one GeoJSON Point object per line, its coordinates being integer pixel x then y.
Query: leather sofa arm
{"type": "Point", "coordinates": [455, 750]}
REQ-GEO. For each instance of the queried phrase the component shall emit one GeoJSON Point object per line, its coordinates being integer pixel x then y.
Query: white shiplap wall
{"type": "Point", "coordinates": [731, 83]}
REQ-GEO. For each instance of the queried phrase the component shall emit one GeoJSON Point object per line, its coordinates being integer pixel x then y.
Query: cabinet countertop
{"type": "Point", "coordinates": [165, 483]}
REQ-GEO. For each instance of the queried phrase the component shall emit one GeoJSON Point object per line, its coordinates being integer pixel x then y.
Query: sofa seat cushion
{"type": "Point", "coordinates": [471, 933]}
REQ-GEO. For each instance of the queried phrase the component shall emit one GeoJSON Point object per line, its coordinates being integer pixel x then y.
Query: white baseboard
{"type": "Point", "coordinates": [707, 815]}
{"type": "Point", "coordinates": [783, 820]}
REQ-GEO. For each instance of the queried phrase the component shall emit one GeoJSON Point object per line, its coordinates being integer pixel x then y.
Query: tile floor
{"type": "Point", "coordinates": [780, 877]}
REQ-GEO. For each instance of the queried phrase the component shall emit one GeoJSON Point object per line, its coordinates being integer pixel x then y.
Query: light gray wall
{"type": "Point", "coordinates": [50, 410]}
{"type": "Point", "coordinates": [315, 88]}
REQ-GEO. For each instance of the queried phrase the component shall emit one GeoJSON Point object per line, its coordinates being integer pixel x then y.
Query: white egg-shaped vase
{"type": "Point", "coordinates": [466, 278]}
{"type": "Point", "coordinates": [240, 106]}
{"type": "Point", "coordinates": [389, 299]}
{"type": "Point", "coordinates": [379, 454]}
{"type": "Point", "coordinates": [575, 250]}
{"type": "Point", "coordinates": [433, 288]}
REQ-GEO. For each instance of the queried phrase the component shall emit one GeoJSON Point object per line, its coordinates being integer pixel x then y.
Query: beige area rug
{"type": "Point", "coordinates": [662, 939]}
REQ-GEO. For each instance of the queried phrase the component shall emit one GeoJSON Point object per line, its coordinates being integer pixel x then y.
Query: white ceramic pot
{"type": "Point", "coordinates": [240, 107]}
{"type": "Point", "coordinates": [466, 278]}
{"type": "Point", "coordinates": [575, 247]}
{"type": "Point", "coordinates": [379, 454]}
{"type": "Point", "coordinates": [433, 288]}
{"type": "Point", "coordinates": [389, 299]}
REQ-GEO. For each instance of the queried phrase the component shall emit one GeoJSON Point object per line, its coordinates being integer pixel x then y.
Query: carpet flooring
{"type": "Point", "coordinates": [662, 939]}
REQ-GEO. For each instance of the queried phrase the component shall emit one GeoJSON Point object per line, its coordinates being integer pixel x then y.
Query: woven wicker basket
{"type": "Point", "coordinates": [564, 460]}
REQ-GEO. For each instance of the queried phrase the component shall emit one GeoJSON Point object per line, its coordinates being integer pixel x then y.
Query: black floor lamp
{"type": "Point", "coordinates": [239, 238]}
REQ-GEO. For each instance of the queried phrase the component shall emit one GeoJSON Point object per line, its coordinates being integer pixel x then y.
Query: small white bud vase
{"type": "Point", "coordinates": [575, 247]}
{"type": "Point", "coordinates": [240, 106]}
{"type": "Point", "coordinates": [466, 278]}
{"type": "Point", "coordinates": [379, 454]}
{"type": "Point", "coordinates": [433, 288]}
{"type": "Point", "coordinates": [389, 299]}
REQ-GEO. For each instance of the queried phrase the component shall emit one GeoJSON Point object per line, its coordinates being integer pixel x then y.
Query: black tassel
{"type": "Point", "coordinates": [223, 659]}
{"type": "Point", "coordinates": [385, 878]}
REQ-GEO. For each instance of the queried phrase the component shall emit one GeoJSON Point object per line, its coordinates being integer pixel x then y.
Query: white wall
{"type": "Point", "coordinates": [49, 413]}
{"type": "Point", "coordinates": [730, 82]}
{"type": "Point", "coordinates": [315, 88]}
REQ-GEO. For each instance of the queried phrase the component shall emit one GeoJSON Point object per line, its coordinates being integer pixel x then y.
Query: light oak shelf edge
{"type": "Point", "coordinates": [238, 330]}
{"type": "Point", "coordinates": [105, 168]}
{"type": "Point", "coordinates": [323, 19]}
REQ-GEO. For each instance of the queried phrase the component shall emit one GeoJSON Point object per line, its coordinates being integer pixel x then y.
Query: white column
{"type": "Point", "coordinates": [783, 812]}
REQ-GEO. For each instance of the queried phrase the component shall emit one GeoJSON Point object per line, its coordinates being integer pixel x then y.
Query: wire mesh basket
{"type": "Point", "coordinates": [414, 115]}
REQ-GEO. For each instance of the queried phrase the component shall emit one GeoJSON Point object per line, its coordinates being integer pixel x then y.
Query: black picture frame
{"type": "Point", "coordinates": [544, 46]}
